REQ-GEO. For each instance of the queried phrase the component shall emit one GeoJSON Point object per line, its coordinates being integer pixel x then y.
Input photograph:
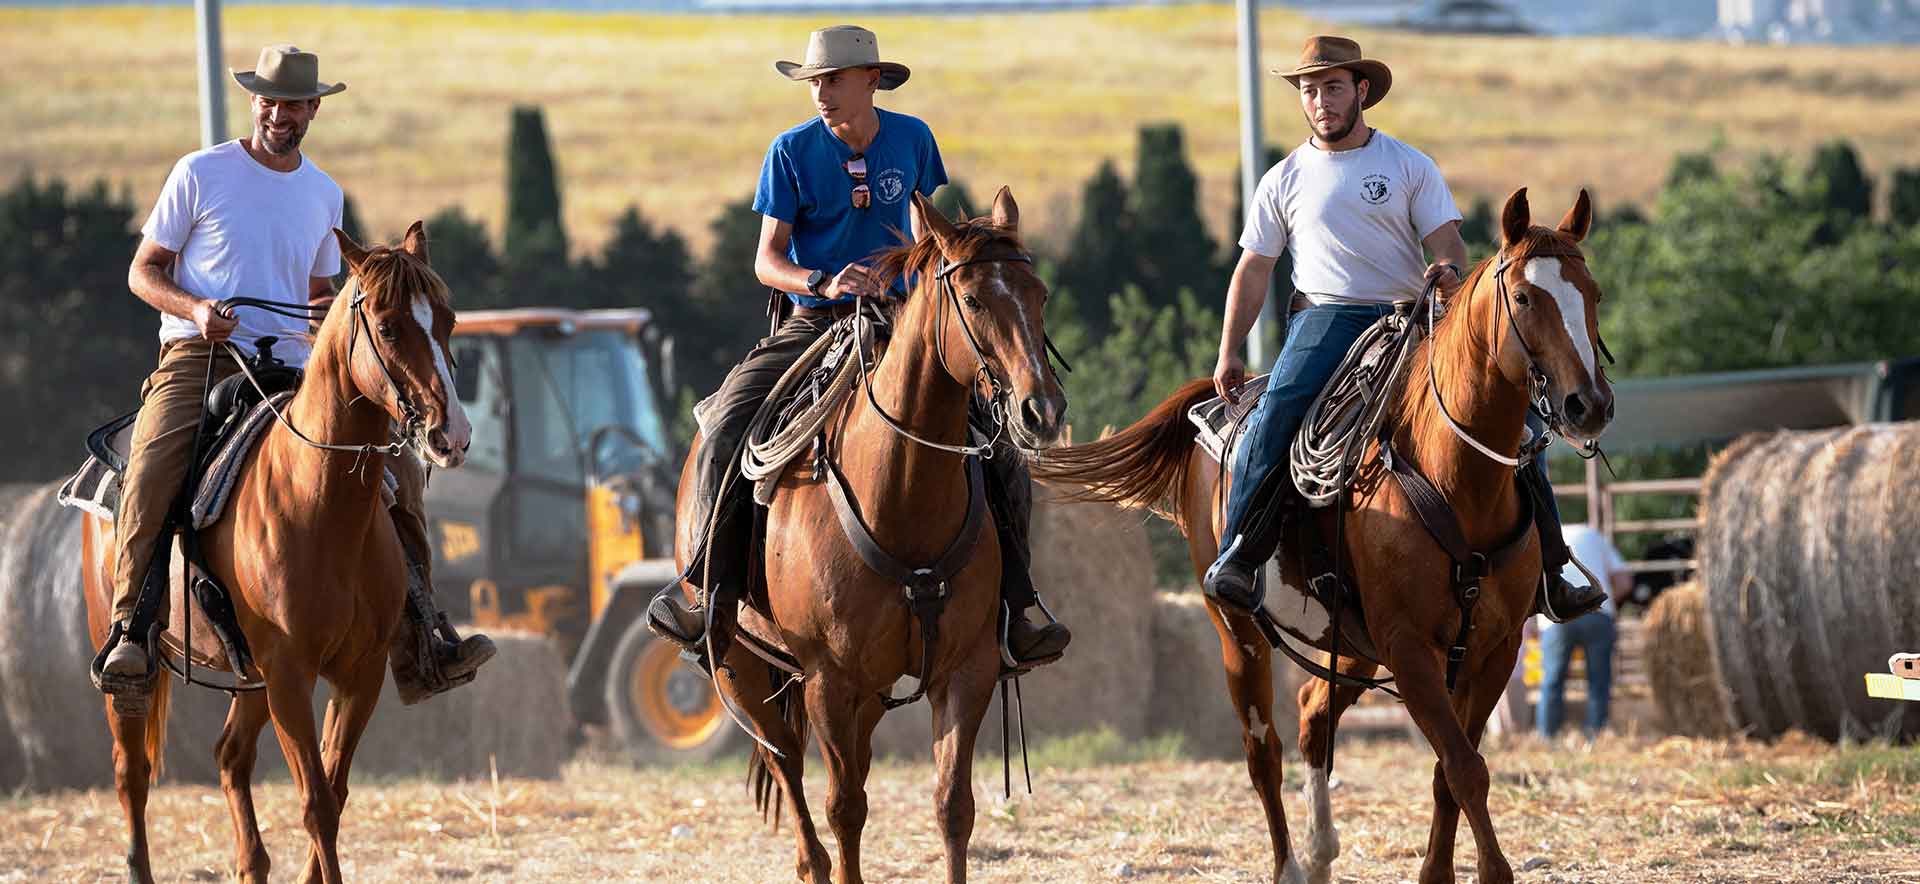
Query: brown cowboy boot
{"type": "Point", "coordinates": [427, 656]}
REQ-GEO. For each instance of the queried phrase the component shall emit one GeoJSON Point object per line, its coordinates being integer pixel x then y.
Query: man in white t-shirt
{"type": "Point", "coordinates": [1356, 206]}
{"type": "Point", "coordinates": [1593, 634]}
{"type": "Point", "coordinates": [247, 218]}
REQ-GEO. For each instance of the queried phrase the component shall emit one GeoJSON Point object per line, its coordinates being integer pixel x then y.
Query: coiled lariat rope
{"type": "Point", "coordinates": [1350, 409]}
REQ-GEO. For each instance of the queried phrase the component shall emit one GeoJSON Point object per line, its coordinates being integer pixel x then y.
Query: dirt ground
{"type": "Point", "coordinates": [1624, 810]}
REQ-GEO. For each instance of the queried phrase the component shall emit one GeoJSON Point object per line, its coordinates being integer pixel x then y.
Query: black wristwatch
{"type": "Point", "coordinates": [815, 281]}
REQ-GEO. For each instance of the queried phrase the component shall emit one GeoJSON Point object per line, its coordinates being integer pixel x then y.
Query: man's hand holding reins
{"type": "Point", "coordinates": [1446, 277]}
{"type": "Point", "coordinates": [853, 281]}
{"type": "Point", "coordinates": [1228, 375]}
{"type": "Point", "coordinates": [214, 325]}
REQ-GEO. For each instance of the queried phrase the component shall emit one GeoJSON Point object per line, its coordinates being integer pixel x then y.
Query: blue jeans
{"type": "Point", "coordinates": [1317, 339]}
{"type": "Point", "coordinates": [1593, 634]}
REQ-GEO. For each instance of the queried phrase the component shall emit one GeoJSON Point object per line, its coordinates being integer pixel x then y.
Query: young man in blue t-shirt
{"type": "Point", "coordinates": [832, 193]}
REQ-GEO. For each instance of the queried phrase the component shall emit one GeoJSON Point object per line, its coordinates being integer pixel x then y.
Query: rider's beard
{"type": "Point", "coordinates": [1349, 117]}
{"type": "Point", "coordinates": [282, 147]}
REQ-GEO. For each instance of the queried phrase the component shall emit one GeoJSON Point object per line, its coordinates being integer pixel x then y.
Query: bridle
{"type": "Point", "coordinates": [998, 389]}
{"type": "Point", "coordinates": [1539, 383]}
{"type": "Point", "coordinates": [412, 418]}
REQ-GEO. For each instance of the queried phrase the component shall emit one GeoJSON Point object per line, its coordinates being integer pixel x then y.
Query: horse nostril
{"type": "Point", "coordinates": [1576, 408]}
{"type": "Point", "coordinates": [1030, 413]}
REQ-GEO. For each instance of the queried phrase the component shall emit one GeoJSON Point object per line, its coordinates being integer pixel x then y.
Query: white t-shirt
{"type": "Point", "coordinates": [244, 230]}
{"type": "Point", "coordinates": [1593, 550]}
{"type": "Point", "coordinates": [1354, 219]}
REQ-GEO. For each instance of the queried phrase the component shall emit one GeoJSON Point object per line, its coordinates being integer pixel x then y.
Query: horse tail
{"type": "Point", "coordinates": [1142, 466]}
{"type": "Point", "coordinates": [767, 795]}
{"type": "Point", "coordinates": [157, 723]}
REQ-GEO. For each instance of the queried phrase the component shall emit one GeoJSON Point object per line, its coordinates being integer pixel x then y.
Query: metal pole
{"type": "Point", "coordinates": [1251, 157]}
{"type": "Point", "coordinates": [213, 104]}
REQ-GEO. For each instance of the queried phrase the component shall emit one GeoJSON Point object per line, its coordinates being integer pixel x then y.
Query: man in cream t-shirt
{"type": "Point", "coordinates": [1356, 207]}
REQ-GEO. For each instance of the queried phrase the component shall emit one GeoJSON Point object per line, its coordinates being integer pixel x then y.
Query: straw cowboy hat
{"type": "Point", "coordinates": [1323, 53]}
{"type": "Point", "coordinates": [839, 48]}
{"type": "Point", "coordinates": [286, 73]}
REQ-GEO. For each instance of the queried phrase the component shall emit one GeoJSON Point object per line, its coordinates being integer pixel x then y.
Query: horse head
{"type": "Point", "coordinates": [398, 353]}
{"type": "Point", "coordinates": [1552, 304]}
{"type": "Point", "coordinates": [989, 323]}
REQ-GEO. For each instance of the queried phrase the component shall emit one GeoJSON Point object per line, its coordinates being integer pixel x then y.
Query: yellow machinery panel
{"type": "Point", "coordinates": [613, 533]}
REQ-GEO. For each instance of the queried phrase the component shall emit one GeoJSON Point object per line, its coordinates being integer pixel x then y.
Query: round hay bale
{"type": "Point", "coordinates": [1809, 545]}
{"type": "Point", "coordinates": [1679, 665]}
{"type": "Point", "coordinates": [55, 733]}
{"type": "Point", "coordinates": [1190, 685]}
{"type": "Point", "coordinates": [1095, 571]}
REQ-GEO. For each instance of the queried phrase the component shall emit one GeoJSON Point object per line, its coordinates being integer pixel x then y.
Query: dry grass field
{"type": "Point", "coordinates": [1624, 810]}
{"type": "Point", "coordinates": [674, 112]}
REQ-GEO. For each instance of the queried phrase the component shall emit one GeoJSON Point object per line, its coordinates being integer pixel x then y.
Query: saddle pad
{"type": "Point", "coordinates": [1216, 419]}
{"type": "Point", "coordinates": [223, 472]}
{"type": "Point", "coordinates": [93, 489]}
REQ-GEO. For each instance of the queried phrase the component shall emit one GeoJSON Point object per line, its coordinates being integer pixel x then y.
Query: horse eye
{"type": "Point", "coordinates": [386, 332]}
{"type": "Point", "coordinates": [1520, 297]}
{"type": "Point", "coordinates": [972, 302]}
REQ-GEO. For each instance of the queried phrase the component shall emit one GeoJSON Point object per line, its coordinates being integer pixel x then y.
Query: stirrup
{"type": "Point", "coordinates": [1256, 592]}
{"type": "Point", "coordinates": [130, 693]}
{"type": "Point", "coordinates": [1010, 666]}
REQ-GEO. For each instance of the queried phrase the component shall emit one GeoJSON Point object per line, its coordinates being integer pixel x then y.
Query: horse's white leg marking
{"type": "Point", "coordinates": [1544, 273]}
{"type": "Point", "coordinates": [1323, 842]}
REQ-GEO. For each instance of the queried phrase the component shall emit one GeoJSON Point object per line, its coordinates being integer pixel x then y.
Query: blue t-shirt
{"type": "Point", "coordinates": [805, 182]}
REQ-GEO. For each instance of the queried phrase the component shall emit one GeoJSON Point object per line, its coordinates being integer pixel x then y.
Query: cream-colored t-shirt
{"type": "Point", "coordinates": [1353, 218]}
{"type": "Point", "coordinates": [244, 230]}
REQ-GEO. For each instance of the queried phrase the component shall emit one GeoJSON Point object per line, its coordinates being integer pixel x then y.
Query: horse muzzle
{"type": "Point", "coordinates": [446, 449]}
{"type": "Point", "coordinates": [1587, 412]}
{"type": "Point", "coordinates": [1040, 419]}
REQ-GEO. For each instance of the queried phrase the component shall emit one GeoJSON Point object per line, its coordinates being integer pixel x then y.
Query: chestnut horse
{"type": "Point", "coordinates": [1532, 306]}
{"type": "Point", "coordinates": [310, 555]}
{"type": "Point", "coordinates": [973, 312]}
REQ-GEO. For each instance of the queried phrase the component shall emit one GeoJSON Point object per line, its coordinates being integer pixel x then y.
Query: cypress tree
{"type": "Point", "coordinates": [533, 190]}
{"type": "Point", "coordinates": [1100, 259]}
{"type": "Point", "coordinates": [1904, 201]}
{"type": "Point", "coordinates": [1175, 252]}
{"type": "Point", "coordinates": [464, 257]}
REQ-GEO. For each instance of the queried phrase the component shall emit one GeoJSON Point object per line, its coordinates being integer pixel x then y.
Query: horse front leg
{"type": "Point", "coordinates": [844, 717]}
{"type": "Point", "coordinates": [236, 751]}
{"type": "Point", "coordinates": [959, 703]}
{"type": "Point", "coordinates": [1248, 661]}
{"type": "Point", "coordinates": [290, 702]}
{"type": "Point", "coordinates": [1320, 711]}
{"type": "Point", "coordinates": [1417, 667]}
{"type": "Point", "coordinates": [347, 716]}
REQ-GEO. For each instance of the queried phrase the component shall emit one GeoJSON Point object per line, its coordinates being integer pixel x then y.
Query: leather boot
{"type": "Point", "coordinates": [1557, 598]}
{"type": "Point", "coordinates": [427, 655]}
{"type": "Point", "coordinates": [127, 660]}
{"type": "Point", "coordinates": [1562, 601]}
{"type": "Point", "coordinates": [1234, 578]}
{"type": "Point", "coordinates": [1010, 500]}
{"type": "Point", "coordinates": [722, 564]}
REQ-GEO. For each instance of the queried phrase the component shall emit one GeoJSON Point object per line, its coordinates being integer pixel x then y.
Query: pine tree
{"type": "Point", "coordinates": [1903, 203]}
{"type": "Point", "coordinates": [1173, 246]}
{"type": "Point", "coordinates": [641, 266]}
{"type": "Point", "coordinates": [464, 257]}
{"type": "Point", "coordinates": [1100, 259]}
{"type": "Point", "coordinates": [1839, 189]}
{"type": "Point", "coordinates": [955, 200]}
{"type": "Point", "coordinates": [533, 191]}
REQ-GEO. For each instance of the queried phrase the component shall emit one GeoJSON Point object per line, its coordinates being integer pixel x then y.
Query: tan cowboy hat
{"type": "Point", "coordinates": [839, 48]}
{"type": "Point", "coordinates": [1324, 53]}
{"type": "Point", "coordinates": [286, 73]}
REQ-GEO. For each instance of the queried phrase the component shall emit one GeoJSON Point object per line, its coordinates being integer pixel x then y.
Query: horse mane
{"type": "Point", "coordinates": [389, 274]}
{"type": "Point", "coordinates": [920, 258]}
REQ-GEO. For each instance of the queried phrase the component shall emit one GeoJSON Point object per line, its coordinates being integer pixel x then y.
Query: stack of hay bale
{"type": "Point", "coordinates": [1686, 690]}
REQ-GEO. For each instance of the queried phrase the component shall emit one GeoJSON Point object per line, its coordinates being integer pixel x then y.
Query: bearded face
{"type": "Point", "coordinates": [1331, 102]}
{"type": "Point", "coordinates": [280, 124]}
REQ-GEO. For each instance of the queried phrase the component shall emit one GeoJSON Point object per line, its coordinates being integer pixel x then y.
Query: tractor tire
{"type": "Point", "coordinates": [661, 709]}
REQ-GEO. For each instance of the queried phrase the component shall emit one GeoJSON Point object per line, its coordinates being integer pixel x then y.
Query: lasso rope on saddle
{"type": "Point", "coordinates": [1351, 409]}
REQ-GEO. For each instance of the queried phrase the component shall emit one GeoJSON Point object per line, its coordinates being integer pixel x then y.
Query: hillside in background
{"type": "Point", "coordinates": [674, 112]}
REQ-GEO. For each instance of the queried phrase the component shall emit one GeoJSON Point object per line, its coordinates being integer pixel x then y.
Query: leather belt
{"type": "Point", "coordinates": [830, 311]}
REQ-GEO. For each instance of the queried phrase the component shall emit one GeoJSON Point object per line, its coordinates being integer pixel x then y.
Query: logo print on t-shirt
{"type": "Point", "coordinates": [891, 186]}
{"type": "Point", "coordinates": [1373, 189]}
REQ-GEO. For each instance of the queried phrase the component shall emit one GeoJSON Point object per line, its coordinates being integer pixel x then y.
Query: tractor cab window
{"type": "Point", "coordinates": [584, 401]}
{"type": "Point", "coordinates": [481, 388]}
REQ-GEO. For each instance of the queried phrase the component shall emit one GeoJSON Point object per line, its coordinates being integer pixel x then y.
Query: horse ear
{"type": "Point", "coordinates": [415, 242]}
{"type": "Point", "coordinates": [1579, 218]}
{"type": "Point", "coordinates": [1515, 219]}
{"type": "Point", "coordinates": [350, 251]}
{"type": "Point", "coordinates": [931, 220]}
{"type": "Point", "coordinates": [1006, 213]}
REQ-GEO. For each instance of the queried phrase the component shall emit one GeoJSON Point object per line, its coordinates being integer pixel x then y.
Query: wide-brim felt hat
{"type": "Point", "coordinates": [1324, 53]}
{"type": "Point", "coordinates": [286, 73]}
{"type": "Point", "coordinates": [843, 47]}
